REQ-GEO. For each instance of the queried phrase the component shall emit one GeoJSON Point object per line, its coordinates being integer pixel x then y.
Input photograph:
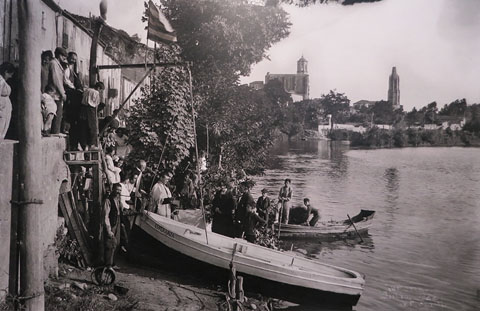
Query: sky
{"type": "Point", "coordinates": [434, 44]}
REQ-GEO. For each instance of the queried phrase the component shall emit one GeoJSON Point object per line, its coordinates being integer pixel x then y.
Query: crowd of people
{"type": "Point", "coordinates": [68, 107]}
{"type": "Point", "coordinates": [237, 214]}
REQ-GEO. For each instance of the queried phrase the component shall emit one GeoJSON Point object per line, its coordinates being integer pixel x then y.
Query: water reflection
{"type": "Point", "coordinates": [424, 245]}
{"type": "Point", "coordinates": [392, 184]}
{"type": "Point", "coordinates": [315, 249]}
{"type": "Point", "coordinates": [338, 168]}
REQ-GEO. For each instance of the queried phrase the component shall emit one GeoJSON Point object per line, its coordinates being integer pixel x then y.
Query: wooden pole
{"type": "Point", "coordinates": [126, 100]}
{"type": "Point", "coordinates": [93, 51]}
{"type": "Point", "coordinates": [159, 162]}
{"type": "Point", "coordinates": [208, 142]}
{"type": "Point", "coordinates": [30, 153]}
{"type": "Point", "coordinates": [196, 150]}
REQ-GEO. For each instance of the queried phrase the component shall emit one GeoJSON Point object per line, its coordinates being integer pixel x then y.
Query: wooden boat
{"type": "Point", "coordinates": [284, 275]}
{"type": "Point", "coordinates": [331, 230]}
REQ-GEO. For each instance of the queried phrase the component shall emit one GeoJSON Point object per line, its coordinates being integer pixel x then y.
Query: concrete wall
{"type": "Point", "coordinates": [6, 177]}
{"type": "Point", "coordinates": [54, 172]}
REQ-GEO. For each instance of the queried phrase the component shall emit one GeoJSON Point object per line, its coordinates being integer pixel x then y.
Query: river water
{"type": "Point", "coordinates": [423, 249]}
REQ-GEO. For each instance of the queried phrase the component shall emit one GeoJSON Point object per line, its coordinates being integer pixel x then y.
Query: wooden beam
{"type": "Point", "coordinates": [75, 225]}
{"type": "Point", "coordinates": [119, 66]}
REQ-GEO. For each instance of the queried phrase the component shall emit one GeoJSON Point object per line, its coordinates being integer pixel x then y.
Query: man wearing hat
{"type": "Point", "coordinates": [55, 80]}
{"type": "Point", "coordinates": [263, 205]}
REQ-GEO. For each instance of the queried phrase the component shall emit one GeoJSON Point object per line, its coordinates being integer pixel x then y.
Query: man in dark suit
{"type": "Point", "coordinates": [263, 205]}
{"type": "Point", "coordinates": [111, 224]}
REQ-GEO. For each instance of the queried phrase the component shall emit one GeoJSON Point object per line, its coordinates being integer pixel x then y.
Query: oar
{"type": "Point", "coordinates": [361, 239]}
{"type": "Point", "coordinates": [280, 215]}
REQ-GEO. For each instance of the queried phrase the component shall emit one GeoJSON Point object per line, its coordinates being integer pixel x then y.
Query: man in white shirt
{"type": "Point", "coordinates": [161, 197]}
{"type": "Point", "coordinates": [88, 116]}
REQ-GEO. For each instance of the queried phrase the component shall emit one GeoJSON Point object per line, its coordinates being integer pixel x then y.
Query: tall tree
{"type": "Point", "coordinates": [337, 105]}
{"type": "Point", "coordinates": [161, 121]}
{"type": "Point", "coordinates": [224, 39]}
{"type": "Point", "coordinates": [456, 108]}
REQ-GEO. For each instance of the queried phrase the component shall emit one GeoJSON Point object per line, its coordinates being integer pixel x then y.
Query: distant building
{"type": "Point", "coordinates": [363, 104]}
{"type": "Point", "coordinates": [394, 89]}
{"type": "Point", "coordinates": [257, 85]}
{"type": "Point", "coordinates": [452, 122]}
{"type": "Point", "coordinates": [298, 83]}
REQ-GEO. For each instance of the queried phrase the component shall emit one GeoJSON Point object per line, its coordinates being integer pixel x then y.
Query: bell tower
{"type": "Point", "coordinates": [394, 89]}
{"type": "Point", "coordinates": [302, 66]}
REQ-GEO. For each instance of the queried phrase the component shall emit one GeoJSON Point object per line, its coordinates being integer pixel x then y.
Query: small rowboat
{"type": "Point", "coordinates": [284, 275]}
{"type": "Point", "coordinates": [331, 230]}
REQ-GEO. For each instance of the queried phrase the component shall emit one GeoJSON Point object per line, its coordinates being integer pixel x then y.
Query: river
{"type": "Point", "coordinates": [423, 249]}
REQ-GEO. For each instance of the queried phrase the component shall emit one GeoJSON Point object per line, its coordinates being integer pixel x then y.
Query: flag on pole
{"type": "Point", "coordinates": [159, 28]}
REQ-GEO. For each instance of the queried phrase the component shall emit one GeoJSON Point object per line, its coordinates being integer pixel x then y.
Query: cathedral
{"type": "Point", "coordinates": [297, 84]}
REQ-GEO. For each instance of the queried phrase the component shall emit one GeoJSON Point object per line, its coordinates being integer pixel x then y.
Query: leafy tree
{"type": "Point", "coordinates": [382, 112]}
{"type": "Point", "coordinates": [161, 121]}
{"type": "Point", "coordinates": [337, 105]}
{"type": "Point", "coordinates": [400, 138]}
{"type": "Point", "coordinates": [224, 39]}
{"type": "Point", "coordinates": [245, 127]}
{"type": "Point", "coordinates": [456, 108]}
{"type": "Point", "coordinates": [414, 138]}
{"type": "Point", "coordinates": [430, 112]}
{"type": "Point", "coordinates": [474, 112]}
{"type": "Point", "coordinates": [292, 122]}
{"type": "Point", "coordinates": [314, 113]}
{"type": "Point", "coordinates": [414, 117]}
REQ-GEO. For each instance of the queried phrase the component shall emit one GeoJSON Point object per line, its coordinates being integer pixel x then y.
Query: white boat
{"type": "Point", "coordinates": [284, 275]}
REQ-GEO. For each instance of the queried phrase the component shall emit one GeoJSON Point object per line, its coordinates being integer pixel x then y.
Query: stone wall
{"type": "Point", "coordinates": [55, 171]}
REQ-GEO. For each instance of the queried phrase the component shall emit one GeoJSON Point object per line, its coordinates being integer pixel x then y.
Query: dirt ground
{"type": "Point", "coordinates": [148, 290]}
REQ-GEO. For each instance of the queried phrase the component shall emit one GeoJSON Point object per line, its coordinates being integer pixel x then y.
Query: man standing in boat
{"type": "Point", "coordinates": [284, 197]}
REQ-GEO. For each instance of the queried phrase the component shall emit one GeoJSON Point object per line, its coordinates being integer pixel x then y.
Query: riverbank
{"type": "Point", "coordinates": [136, 288]}
{"type": "Point", "coordinates": [376, 138]}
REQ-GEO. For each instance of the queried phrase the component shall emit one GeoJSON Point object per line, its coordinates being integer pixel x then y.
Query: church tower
{"type": "Point", "coordinates": [297, 83]}
{"type": "Point", "coordinates": [302, 65]}
{"type": "Point", "coordinates": [394, 89]}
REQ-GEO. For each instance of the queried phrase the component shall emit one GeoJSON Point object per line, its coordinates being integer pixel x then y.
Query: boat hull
{"type": "Point", "coordinates": [169, 247]}
{"type": "Point", "coordinates": [330, 231]}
